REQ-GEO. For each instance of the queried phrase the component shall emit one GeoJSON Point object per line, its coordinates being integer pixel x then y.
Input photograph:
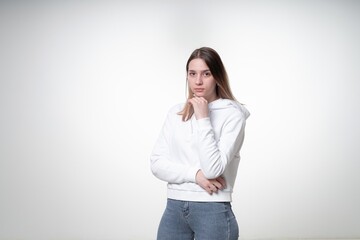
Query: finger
{"type": "Point", "coordinates": [197, 97]}
{"type": "Point", "coordinates": [191, 101]}
{"type": "Point", "coordinates": [200, 99]}
{"type": "Point", "coordinates": [217, 184]}
{"type": "Point", "coordinates": [208, 190]}
{"type": "Point", "coordinates": [222, 181]}
{"type": "Point", "coordinates": [213, 187]}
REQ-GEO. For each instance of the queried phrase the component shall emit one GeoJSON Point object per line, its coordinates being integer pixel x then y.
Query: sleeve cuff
{"type": "Point", "coordinates": [204, 123]}
{"type": "Point", "coordinates": [191, 174]}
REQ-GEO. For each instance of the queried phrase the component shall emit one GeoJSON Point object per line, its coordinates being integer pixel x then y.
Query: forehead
{"type": "Point", "coordinates": [198, 64]}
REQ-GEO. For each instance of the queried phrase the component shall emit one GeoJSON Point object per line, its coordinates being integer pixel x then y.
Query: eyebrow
{"type": "Point", "coordinates": [206, 70]}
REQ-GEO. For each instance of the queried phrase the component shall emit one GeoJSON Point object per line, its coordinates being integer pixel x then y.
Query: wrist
{"type": "Point", "coordinates": [197, 175]}
{"type": "Point", "coordinates": [200, 117]}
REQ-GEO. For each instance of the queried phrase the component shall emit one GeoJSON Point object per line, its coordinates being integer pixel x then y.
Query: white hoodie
{"type": "Point", "coordinates": [211, 144]}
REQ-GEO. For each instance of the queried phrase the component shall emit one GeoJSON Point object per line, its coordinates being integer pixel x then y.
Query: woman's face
{"type": "Point", "coordinates": [200, 80]}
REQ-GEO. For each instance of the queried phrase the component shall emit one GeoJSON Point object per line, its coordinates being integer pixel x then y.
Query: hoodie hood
{"type": "Point", "coordinates": [222, 103]}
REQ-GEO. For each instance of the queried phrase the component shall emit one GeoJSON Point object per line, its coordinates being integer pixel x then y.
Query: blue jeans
{"type": "Point", "coordinates": [183, 220]}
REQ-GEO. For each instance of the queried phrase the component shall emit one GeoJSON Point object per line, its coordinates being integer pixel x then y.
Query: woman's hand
{"type": "Point", "coordinates": [210, 185]}
{"type": "Point", "coordinates": [200, 106]}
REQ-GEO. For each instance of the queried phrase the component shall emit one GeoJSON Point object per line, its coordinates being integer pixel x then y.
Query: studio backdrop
{"type": "Point", "coordinates": [85, 87]}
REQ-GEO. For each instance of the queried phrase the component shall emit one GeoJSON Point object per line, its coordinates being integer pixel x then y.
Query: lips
{"type": "Point", "coordinates": [199, 89]}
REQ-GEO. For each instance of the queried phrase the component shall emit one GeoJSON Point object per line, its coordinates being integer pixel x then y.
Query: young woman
{"type": "Point", "coordinates": [197, 153]}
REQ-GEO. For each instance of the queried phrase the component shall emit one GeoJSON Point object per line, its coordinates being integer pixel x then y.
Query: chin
{"type": "Point", "coordinates": [199, 94]}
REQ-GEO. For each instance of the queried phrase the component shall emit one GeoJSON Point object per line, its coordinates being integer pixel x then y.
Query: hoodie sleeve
{"type": "Point", "coordinates": [163, 166]}
{"type": "Point", "coordinates": [215, 156]}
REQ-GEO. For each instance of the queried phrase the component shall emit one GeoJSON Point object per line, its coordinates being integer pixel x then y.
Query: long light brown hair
{"type": "Point", "coordinates": [217, 69]}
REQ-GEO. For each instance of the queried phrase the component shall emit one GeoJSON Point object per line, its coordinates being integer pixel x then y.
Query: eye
{"type": "Point", "coordinates": [207, 74]}
{"type": "Point", "coordinates": [192, 74]}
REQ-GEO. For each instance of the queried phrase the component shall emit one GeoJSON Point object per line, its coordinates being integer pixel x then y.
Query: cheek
{"type": "Point", "coordinates": [191, 83]}
{"type": "Point", "coordinates": [212, 84]}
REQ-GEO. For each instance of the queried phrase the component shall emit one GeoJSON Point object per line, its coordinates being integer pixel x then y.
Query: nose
{"type": "Point", "coordinates": [199, 80]}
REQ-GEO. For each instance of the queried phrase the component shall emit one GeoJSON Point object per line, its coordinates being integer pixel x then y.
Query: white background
{"type": "Point", "coordinates": [85, 87]}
